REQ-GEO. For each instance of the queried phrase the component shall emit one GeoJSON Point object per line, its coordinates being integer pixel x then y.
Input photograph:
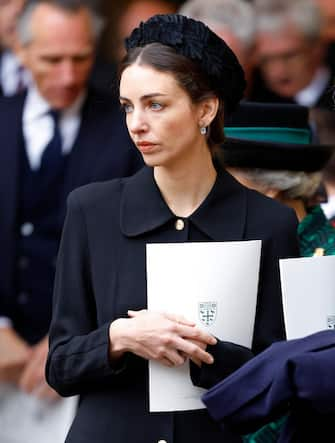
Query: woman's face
{"type": "Point", "coordinates": [161, 118]}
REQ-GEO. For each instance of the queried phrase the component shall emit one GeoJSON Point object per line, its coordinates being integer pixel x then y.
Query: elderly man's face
{"type": "Point", "coordinates": [9, 11]}
{"type": "Point", "coordinates": [60, 54]}
{"type": "Point", "coordinates": [288, 60]}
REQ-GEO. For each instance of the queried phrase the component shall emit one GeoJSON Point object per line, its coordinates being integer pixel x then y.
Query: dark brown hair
{"type": "Point", "coordinates": [189, 76]}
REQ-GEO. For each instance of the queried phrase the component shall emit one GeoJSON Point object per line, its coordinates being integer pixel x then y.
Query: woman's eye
{"type": "Point", "coordinates": [156, 106]}
{"type": "Point", "coordinates": [126, 107]}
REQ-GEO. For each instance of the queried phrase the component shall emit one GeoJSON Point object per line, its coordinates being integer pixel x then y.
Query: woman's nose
{"type": "Point", "coordinates": [136, 122]}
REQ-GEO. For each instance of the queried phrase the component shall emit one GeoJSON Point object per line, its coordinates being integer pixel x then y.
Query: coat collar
{"type": "Point", "coordinates": [221, 216]}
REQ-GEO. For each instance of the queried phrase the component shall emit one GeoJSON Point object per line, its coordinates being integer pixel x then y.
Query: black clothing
{"type": "Point", "coordinates": [101, 274]}
{"type": "Point", "coordinates": [102, 150]}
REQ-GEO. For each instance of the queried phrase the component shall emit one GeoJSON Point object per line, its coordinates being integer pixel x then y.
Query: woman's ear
{"type": "Point", "coordinates": [208, 109]}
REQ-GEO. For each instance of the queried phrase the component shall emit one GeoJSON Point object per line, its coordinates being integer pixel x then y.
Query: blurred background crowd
{"type": "Point", "coordinates": [61, 125]}
{"type": "Point", "coordinates": [287, 48]}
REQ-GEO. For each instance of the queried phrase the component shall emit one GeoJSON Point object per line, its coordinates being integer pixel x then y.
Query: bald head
{"type": "Point", "coordinates": [58, 51]}
{"type": "Point", "coordinates": [138, 11]}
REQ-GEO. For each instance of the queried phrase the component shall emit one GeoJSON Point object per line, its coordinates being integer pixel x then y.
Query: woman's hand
{"type": "Point", "coordinates": [202, 345]}
{"type": "Point", "coordinates": [166, 338]}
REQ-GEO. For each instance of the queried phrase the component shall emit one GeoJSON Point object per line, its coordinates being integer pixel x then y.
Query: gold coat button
{"type": "Point", "coordinates": [180, 224]}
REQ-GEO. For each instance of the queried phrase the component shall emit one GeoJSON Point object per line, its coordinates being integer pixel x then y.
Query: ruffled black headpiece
{"type": "Point", "coordinates": [196, 41]}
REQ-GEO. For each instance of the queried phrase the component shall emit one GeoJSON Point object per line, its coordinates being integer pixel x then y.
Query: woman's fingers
{"type": "Point", "coordinates": [167, 356]}
{"type": "Point", "coordinates": [194, 350]}
{"type": "Point", "coordinates": [182, 325]}
{"type": "Point", "coordinates": [172, 317]}
{"type": "Point", "coordinates": [174, 357]}
{"type": "Point", "coordinates": [195, 333]}
{"type": "Point", "coordinates": [179, 319]}
{"type": "Point", "coordinates": [133, 314]}
{"type": "Point", "coordinates": [167, 338]}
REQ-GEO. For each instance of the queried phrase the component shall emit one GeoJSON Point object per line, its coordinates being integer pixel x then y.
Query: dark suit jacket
{"type": "Point", "coordinates": [101, 274]}
{"type": "Point", "coordinates": [295, 376]}
{"type": "Point", "coordinates": [102, 150]}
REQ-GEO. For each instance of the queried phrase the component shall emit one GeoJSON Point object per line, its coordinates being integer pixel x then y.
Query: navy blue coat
{"type": "Point", "coordinates": [296, 376]}
{"type": "Point", "coordinates": [102, 150]}
{"type": "Point", "coordinates": [101, 274]}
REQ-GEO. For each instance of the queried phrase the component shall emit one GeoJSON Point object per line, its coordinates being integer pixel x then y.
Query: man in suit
{"type": "Point", "coordinates": [56, 137]}
{"type": "Point", "coordinates": [13, 77]}
{"type": "Point", "coordinates": [290, 54]}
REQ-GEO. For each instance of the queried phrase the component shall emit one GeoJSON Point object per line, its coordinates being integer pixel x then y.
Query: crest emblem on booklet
{"type": "Point", "coordinates": [207, 312]}
{"type": "Point", "coordinates": [331, 321]}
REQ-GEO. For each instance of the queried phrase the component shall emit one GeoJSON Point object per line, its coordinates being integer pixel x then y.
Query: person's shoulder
{"type": "Point", "coordinates": [12, 103]}
{"type": "Point", "coordinates": [11, 110]}
{"type": "Point", "coordinates": [95, 194]}
{"type": "Point", "coordinates": [270, 211]}
{"type": "Point", "coordinates": [104, 193]}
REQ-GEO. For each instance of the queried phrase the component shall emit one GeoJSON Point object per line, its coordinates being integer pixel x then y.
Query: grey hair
{"type": "Point", "coordinates": [273, 16]}
{"type": "Point", "coordinates": [236, 15]}
{"type": "Point", "coordinates": [292, 184]}
{"type": "Point", "coordinates": [24, 30]}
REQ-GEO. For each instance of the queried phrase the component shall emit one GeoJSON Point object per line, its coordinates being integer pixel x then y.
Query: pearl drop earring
{"type": "Point", "coordinates": [203, 130]}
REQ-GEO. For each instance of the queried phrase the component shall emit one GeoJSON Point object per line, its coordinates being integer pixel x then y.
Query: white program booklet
{"type": "Point", "coordinates": [308, 290]}
{"type": "Point", "coordinates": [213, 284]}
{"type": "Point", "coordinates": [26, 419]}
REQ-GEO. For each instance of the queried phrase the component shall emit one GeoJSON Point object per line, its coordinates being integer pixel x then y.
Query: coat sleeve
{"type": "Point", "coordinates": [286, 376]}
{"type": "Point", "coordinates": [313, 379]}
{"type": "Point", "coordinates": [78, 354]}
{"type": "Point", "coordinates": [269, 322]}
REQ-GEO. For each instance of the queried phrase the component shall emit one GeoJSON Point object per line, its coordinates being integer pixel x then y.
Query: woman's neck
{"type": "Point", "coordinates": [185, 187]}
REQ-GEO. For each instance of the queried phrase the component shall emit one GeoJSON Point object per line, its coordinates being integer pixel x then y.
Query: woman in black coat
{"type": "Point", "coordinates": [176, 80]}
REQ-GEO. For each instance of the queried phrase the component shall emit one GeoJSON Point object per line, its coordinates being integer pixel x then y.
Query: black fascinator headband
{"type": "Point", "coordinates": [196, 41]}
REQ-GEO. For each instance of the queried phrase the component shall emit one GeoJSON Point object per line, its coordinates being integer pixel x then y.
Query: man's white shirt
{"type": "Point", "coordinates": [310, 95]}
{"type": "Point", "coordinates": [38, 125]}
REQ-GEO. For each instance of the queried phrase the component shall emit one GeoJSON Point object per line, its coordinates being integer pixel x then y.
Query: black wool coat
{"type": "Point", "coordinates": [101, 274]}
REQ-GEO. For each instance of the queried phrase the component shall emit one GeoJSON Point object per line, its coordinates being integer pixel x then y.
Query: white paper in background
{"type": "Point", "coordinates": [26, 419]}
{"type": "Point", "coordinates": [212, 284]}
{"type": "Point", "coordinates": [308, 290]}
